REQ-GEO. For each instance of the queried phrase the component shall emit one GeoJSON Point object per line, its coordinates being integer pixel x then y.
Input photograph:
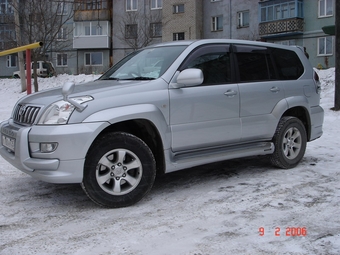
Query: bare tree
{"type": "Point", "coordinates": [138, 30]}
{"type": "Point", "coordinates": [46, 22]}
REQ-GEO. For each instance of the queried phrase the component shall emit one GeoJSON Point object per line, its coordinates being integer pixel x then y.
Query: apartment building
{"type": "Point", "coordinates": [9, 63]}
{"type": "Point", "coordinates": [298, 22]}
{"type": "Point", "coordinates": [104, 31]}
{"type": "Point", "coordinates": [320, 46]}
{"type": "Point", "coordinates": [182, 20]}
{"type": "Point", "coordinates": [135, 24]}
{"type": "Point", "coordinates": [92, 36]}
{"type": "Point", "coordinates": [231, 19]}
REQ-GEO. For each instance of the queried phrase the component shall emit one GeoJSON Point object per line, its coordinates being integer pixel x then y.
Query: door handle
{"type": "Point", "coordinates": [275, 89]}
{"type": "Point", "coordinates": [230, 93]}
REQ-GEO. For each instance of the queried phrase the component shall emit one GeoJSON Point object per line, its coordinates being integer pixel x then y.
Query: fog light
{"type": "Point", "coordinates": [48, 147]}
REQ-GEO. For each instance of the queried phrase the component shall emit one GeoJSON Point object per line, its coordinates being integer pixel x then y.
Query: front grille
{"type": "Point", "coordinates": [25, 114]}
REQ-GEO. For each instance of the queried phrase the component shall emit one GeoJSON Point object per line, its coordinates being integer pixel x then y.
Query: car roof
{"type": "Point", "coordinates": [210, 41]}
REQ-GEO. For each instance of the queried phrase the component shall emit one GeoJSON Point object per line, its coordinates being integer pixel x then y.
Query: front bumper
{"type": "Point", "coordinates": [65, 164]}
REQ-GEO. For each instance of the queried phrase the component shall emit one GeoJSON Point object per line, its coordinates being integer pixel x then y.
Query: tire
{"type": "Point", "coordinates": [290, 140]}
{"type": "Point", "coordinates": [119, 170]}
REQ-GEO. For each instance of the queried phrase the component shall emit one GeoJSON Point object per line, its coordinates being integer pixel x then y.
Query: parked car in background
{"type": "Point", "coordinates": [165, 108]}
{"type": "Point", "coordinates": [44, 69]}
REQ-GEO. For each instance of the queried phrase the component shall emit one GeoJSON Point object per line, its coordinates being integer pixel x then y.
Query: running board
{"type": "Point", "coordinates": [223, 153]}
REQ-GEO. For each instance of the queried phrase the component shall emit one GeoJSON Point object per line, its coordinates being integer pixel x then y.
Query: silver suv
{"type": "Point", "coordinates": [165, 108]}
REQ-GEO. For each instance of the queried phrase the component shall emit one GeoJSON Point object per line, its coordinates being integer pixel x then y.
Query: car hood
{"type": "Point", "coordinates": [97, 89]}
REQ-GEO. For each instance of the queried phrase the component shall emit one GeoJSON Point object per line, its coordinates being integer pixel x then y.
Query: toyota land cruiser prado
{"type": "Point", "coordinates": [165, 108]}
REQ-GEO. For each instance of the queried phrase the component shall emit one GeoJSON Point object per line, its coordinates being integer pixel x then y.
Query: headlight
{"type": "Point", "coordinates": [59, 112]}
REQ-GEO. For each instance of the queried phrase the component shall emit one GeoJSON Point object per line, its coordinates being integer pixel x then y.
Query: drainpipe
{"type": "Point", "coordinates": [230, 20]}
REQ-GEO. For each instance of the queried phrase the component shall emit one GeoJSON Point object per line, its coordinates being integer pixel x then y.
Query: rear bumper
{"type": "Point", "coordinates": [317, 117]}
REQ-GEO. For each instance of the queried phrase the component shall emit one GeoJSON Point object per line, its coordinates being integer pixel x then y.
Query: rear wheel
{"type": "Point", "coordinates": [119, 170]}
{"type": "Point", "coordinates": [290, 141]}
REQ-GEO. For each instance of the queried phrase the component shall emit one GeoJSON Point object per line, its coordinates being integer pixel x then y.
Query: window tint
{"type": "Point", "coordinates": [254, 63]}
{"type": "Point", "coordinates": [288, 64]}
{"type": "Point", "coordinates": [214, 61]}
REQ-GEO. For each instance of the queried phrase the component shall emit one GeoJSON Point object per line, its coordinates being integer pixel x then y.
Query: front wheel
{"type": "Point", "coordinates": [119, 170]}
{"type": "Point", "coordinates": [290, 141]}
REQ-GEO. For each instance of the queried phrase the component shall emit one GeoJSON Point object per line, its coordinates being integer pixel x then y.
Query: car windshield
{"type": "Point", "coordinates": [145, 64]}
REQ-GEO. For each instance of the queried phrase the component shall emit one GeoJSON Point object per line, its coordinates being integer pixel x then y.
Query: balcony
{"type": "Point", "coordinates": [91, 42]}
{"type": "Point", "coordinates": [87, 10]}
{"type": "Point", "coordinates": [84, 15]}
{"type": "Point", "coordinates": [281, 27]}
{"type": "Point", "coordinates": [92, 35]}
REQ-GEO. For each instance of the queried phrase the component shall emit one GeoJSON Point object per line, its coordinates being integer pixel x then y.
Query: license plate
{"type": "Point", "coordinates": [8, 142]}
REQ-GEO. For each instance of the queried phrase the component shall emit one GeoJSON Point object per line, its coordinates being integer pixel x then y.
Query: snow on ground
{"type": "Point", "coordinates": [213, 209]}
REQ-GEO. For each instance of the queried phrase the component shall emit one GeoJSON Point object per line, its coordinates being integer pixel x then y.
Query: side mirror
{"type": "Point", "coordinates": [188, 78]}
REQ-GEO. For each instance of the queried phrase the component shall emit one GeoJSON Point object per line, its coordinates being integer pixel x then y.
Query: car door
{"type": "Point", "coordinates": [260, 91]}
{"type": "Point", "coordinates": [206, 115]}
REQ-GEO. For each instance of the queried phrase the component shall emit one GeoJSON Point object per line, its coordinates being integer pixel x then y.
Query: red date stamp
{"type": "Point", "coordinates": [289, 231]}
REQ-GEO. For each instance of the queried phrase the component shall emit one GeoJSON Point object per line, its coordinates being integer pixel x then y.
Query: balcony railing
{"type": "Point", "coordinates": [281, 26]}
{"type": "Point", "coordinates": [91, 42]}
{"type": "Point", "coordinates": [81, 15]}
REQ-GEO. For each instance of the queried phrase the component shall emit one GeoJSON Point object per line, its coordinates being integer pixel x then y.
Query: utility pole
{"type": "Point", "coordinates": [337, 57]}
{"type": "Point", "coordinates": [19, 43]}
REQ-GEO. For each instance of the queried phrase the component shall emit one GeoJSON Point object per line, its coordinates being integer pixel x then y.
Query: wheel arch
{"type": "Point", "coordinates": [146, 131]}
{"type": "Point", "coordinates": [302, 114]}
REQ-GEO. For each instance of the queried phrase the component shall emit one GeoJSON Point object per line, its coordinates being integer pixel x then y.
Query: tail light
{"type": "Point", "coordinates": [317, 83]}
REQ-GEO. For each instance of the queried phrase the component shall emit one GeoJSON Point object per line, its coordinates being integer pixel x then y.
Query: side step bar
{"type": "Point", "coordinates": [210, 155]}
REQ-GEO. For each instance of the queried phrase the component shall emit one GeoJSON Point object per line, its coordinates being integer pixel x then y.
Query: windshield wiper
{"type": "Point", "coordinates": [111, 78]}
{"type": "Point", "coordinates": [139, 78]}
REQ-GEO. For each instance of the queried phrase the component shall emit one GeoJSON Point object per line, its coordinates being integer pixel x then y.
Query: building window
{"type": "Point", "coordinates": [61, 9]}
{"type": "Point", "coordinates": [284, 9]}
{"type": "Point", "coordinates": [178, 36]}
{"type": "Point", "coordinates": [131, 31]}
{"type": "Point", "coordinates": [61, 59]}
{"type": "Point", "coordinates": [156, 29]}
{"type": "Point", "coordinates": [179, 8]}
{"type": "Point", "coordinates": [243, 19]}
{"type": "Point", "coordinates": [286, 42]}
{"type": "Point", "coordinates": [131, 5]}
{"type": "Point", "coordinates": [62, 34]}
{"type": "Point", "coordinates": [325, 8]}
{"type": "Point", "coordinates": [93, 28]}
{"type": "Point", "coordinates": [94, 59]}
{"type": "Point", "coordinates": [85, 5]}
{"type": "Point", "coordinates": [156, 4]}
{"type": "Point", "coordinates": [11, 61]}
{"type": "Point", "coordinates": [6, 7]}
{"type": "Point", "coordinates": [217, 23]}
{"type": "Point", "coordinates": [325, 46]}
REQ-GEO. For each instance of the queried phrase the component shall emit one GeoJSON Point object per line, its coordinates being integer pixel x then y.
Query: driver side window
{"type": "Point", "coordinates": [214, 61]}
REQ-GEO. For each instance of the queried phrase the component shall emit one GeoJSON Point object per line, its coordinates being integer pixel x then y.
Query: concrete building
{"type": "Point", "coordinates": [92, 35]}
{"type": "Point", "coordinates": [298, 22]}
{"type": "Point", "coordinates": [135, 24]}
{"type": "Point", "coordinates": [320, 46]}
{"type": "Point", "coordinates": [231, 19]}
{"type": "Point", "coordinates": [182, 20]}
{"type": "Point", "coordinates": [102, 32]}
{"type": "Point", "coordinates": [9, 63]}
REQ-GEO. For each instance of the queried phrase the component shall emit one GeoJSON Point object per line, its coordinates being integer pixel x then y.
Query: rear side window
{"type": "Point", "coordinates": [254, 63]}
{"type": "Point", "coordinates": [288, 64]}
